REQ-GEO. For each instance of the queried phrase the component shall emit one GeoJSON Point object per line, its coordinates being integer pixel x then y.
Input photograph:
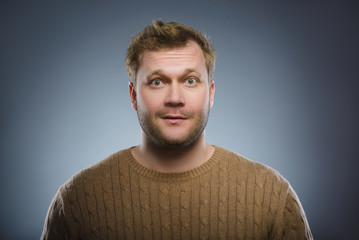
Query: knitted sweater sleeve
{"type": "Point", "coordinates": [291, 222]}
{"type": "Point", "coordinates": [60, 222]}
{"type": "Point", "coordinates": [55, 226]}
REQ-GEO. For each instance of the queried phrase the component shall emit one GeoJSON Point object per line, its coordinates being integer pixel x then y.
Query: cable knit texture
{"type": "Point", "coordinates": [228, 197]}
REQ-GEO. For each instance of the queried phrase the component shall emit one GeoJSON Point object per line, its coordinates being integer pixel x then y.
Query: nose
{"type": "Point", "coordinates": [174, 96]}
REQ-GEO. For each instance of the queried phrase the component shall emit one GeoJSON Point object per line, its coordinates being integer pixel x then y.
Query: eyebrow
{"type": "Point", "coordinates": [160, 72]}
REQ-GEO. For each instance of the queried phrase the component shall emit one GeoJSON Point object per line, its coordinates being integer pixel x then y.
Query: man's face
{"type": "Point", "coordinates": [172, 95]}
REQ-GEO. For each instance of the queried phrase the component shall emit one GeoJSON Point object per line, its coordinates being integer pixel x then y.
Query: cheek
{"type": "Point", "coordinates": [148, 101]}
{"type": "Point", "coordinates": [199, 101]}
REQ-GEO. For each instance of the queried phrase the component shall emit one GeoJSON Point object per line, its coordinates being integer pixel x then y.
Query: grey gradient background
{"type": "Point", "coordinates": [286, 96]}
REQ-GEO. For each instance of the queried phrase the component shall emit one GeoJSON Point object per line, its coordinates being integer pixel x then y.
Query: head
{"type": "Point", "coordinates": [159, 36]}
{"type": "Point", "coordinates": [171, 84]}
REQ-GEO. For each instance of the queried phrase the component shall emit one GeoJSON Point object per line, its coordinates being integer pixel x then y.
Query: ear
{"type": "Point", "coordinates": [211, 94]}
{"type": "Point", "coordinates": [133, 95]}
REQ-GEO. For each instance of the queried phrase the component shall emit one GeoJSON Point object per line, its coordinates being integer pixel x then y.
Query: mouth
{"type": "Point", "coordinates": [173, 119]}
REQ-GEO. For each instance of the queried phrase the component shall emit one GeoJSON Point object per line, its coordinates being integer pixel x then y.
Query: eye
{"type": "Point", "coordinates": [156, 83]}
{"type": "Point", "coordinates": [191, 81]}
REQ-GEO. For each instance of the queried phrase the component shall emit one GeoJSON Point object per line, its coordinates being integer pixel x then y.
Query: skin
{"type": "Point", "coordinates": [172, 98]}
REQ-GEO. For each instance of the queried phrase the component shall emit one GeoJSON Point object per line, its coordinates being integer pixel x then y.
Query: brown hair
{"type": "Point", "coordinates": [161, 35]}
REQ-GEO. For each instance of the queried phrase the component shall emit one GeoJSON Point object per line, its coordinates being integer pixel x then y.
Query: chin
{"type": "Point", "coordinates": [173, 142]}
{"type": "Point", "coordinates": [176, 142]}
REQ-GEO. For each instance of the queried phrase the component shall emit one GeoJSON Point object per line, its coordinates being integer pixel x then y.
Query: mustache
{"type": "Point", "coordinates": [184, 114]}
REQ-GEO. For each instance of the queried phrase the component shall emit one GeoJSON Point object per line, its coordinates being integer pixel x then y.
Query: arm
{"type": "Point", "coordinates": [55, 224]}
{"type": "Point", "coordinates": [291, 222]}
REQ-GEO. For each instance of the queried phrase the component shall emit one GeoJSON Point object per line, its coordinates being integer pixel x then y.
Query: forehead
{"type": "Point", "coordinates": [191, 54]}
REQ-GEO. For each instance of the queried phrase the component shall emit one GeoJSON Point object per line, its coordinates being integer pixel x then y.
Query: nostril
{"type": "Point", "coordinates": [174, 104]}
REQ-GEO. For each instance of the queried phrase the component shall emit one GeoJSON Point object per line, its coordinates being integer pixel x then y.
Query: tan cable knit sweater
{"type": "Point", "coordinates": [228, 197]}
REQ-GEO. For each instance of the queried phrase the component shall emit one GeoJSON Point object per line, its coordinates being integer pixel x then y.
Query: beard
{"type": "Point", "coordinates": [157, 136]}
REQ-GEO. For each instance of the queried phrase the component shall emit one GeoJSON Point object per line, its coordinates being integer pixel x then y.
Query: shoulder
{"type": "Point", "coordinates": [252, 173]}
{"type": "Point", "coordinates": [266, 187]}
{"type": "Point", "coordinates": [101, 171]}
{"type": "Point", "coordinates": [250, 168]}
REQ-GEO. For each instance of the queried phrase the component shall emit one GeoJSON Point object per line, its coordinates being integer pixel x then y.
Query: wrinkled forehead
{"type": "Point", "coordinates": [190, 53]}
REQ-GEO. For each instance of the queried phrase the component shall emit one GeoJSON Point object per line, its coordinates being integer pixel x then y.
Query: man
{"type": "Point", "coordinates": [174, 185]}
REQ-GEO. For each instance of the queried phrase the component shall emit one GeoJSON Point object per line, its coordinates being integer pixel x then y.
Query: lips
{"type": "Point", "coordinates": [173, 119]}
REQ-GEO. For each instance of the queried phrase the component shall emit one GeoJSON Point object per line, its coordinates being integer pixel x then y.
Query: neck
{"type": "Point", "coordinates": [173, 159]}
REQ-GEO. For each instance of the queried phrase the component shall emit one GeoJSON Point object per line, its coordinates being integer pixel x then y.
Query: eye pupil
{"type": "Point", "coordinates": [191, 81]}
